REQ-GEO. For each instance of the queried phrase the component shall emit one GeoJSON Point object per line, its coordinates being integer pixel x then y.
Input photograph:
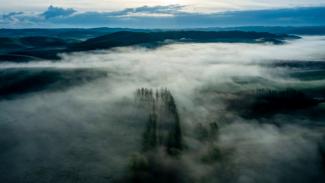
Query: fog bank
{"type": "Point", "coordinates": [84, 124]}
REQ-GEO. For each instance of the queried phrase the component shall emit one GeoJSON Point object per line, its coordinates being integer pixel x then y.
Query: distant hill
{"type": "Point", "coordinates": [9, 43]}
{"type": "Point", "coordinates": [303, 30]}
{"type": "Point", "coordinates": [21, 49]}
{"type": "Point", "coordinates": [65, 33]}
{"type": "Point", "coordinates": [83, 33]}
{"type": "Point", "coordinates": [127, 38]}
{"type": "Point", "coordinates": [30, 48]}
{"type": "Point", "coordinates": [31, 42]}
{"type": "Point", "coordinates": [16, 82]}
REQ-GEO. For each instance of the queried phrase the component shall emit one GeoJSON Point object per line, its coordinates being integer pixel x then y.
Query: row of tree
{"type": "Point", "coordinates": [163, 128]}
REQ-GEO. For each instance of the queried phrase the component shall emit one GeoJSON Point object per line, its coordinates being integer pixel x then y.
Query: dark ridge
{"type": "Point", "coordinates": [84, 33]}
{"type": "Point", "coordinates": [19, 49]}
{"type": "Point", "coordinates": [32, 42]}
{"type": "Point", "coordinates": [31, 48]}
{"type": "Point", "coordinates": [126, 38]}
{"type": "Point", "coordinates": [264, 103]}
{"type": "Point", "coordinates": [303, 65]}
{"type": "Point", "coordinates": [64, 33]}
{"type": "Point", "coordinates": [9, 43]}
{"type": "Point", "coordinates": [38, 54]}
{"type": "Point", "coordinates": [42, 41]}
{"type": "Point", "coordinates": [298, 30]}
{"type": "Point", "coordinates": [17, 82]}
{"type": "Point", "coordinates": [17, 58]}
{"type": "Point", "coordinates": [282, 100]}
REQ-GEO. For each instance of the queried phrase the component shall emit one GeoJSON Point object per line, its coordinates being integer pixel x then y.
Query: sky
{"type": "Point", "coordinates": [191, 5]}
{"type": "Point", "coordinates": [158, 13]}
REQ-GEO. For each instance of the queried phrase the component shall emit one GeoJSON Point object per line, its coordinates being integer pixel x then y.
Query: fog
{"type": "Point", "coordinates": [84, 124]}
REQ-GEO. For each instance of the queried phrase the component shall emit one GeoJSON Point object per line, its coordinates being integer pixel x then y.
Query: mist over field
{"type": "Point", "coordinates": [78, 119]}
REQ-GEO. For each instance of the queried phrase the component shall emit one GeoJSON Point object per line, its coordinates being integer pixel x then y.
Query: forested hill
{"type": "Point", "coordinates": [21, 49]}
{"type": "Point", "coordinates": [127, 38]}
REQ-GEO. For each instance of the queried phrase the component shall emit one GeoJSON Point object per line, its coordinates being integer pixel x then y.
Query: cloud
{"type": "Point", "coordinates": [10, 17]}
{"type": "Point", "coordinates": [202, 6]}
{"type": "Point", "coordinates": [170, 9]}
{"type": "Point", "coordinates": [52, 12]}
{"type": "Point", "coordinates": [171, 16]}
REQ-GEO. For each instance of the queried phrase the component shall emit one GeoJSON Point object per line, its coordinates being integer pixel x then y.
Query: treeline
{"type": "Point", "coordinates": [162, 141]}
{"type": "Point", "coordinates": [283, 100]}
{"type": "Point", "coordinates": [163, 128]}
{"type": "Point", "coordinates": [160, 158]}
{"type": "Point", "coordinates": [127, 38]}
{"type": "Point", "coordinates": [267, 102]}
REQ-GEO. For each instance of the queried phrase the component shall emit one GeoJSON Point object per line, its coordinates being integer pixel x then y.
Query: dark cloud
{"type": "Point", "coordinates": [10, 15]}
{"type": "Point", "coordinates": [53, 11]}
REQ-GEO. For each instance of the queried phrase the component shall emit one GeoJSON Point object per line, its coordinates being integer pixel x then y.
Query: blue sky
{"type": "Point", "coordinates": [159, 14]}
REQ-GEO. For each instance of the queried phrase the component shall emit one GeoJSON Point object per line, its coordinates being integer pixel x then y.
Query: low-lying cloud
{"type": "Point", "coordinates": [88, 131]}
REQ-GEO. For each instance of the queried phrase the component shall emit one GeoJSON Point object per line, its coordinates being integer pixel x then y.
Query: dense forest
{"type": "Point", "coordinates": [26, 48]}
